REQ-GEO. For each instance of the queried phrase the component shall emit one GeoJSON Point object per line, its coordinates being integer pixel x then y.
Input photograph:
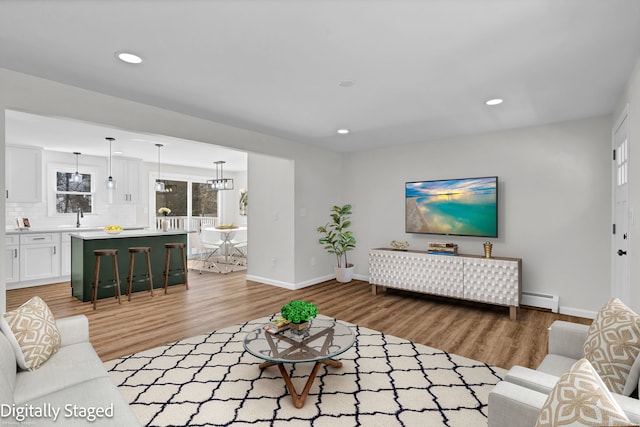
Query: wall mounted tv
{"type": "Point", "coordinates": [456, 207]}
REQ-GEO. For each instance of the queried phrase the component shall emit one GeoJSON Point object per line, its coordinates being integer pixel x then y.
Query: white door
{"type": "Point", "coordinates": [620, 244]}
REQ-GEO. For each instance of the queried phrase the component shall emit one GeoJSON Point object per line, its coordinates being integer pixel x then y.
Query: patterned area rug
{"type": "Point", "coordinates": [209, 380]}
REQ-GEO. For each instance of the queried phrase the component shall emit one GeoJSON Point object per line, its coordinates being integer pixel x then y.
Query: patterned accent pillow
{"type": "Point", "coordinates": [33, 333]}
{"type": "Point", "coordinates": [580, 398]}
{"type": "Point", "coordinates": [613, 345]}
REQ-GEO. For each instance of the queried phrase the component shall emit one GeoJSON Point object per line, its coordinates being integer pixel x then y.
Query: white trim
{"type": "Point", "coordinates": [578, 312]}
{"type": "Point", "coordinates": [290, 286]}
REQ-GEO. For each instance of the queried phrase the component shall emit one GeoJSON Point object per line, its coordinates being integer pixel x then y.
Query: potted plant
{"type": "Point", "coordinates": [298, 313]}
{"type": "Point", "coordinates": [338, 240]}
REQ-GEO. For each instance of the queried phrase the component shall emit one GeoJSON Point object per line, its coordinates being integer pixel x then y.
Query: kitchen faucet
{"type": "Point", "coordinates": [78, 216]}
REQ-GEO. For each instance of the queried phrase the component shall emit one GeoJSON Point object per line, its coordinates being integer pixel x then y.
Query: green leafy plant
{"type": "Point", "coordinates": [336, 238]}
{"type": "Point", "coordinates": [298, 311]}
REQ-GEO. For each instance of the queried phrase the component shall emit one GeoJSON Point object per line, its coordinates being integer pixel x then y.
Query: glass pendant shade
{"type": "Point", "coordinates": [110, 183]}
{"type": "Point", "coordinates": [76, 176]}
{"type": "Point", "coordinates": [159, 186]}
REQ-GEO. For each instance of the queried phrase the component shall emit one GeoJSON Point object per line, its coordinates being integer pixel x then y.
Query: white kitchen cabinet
{"type": "Point", "coordinates": [125, 172]}
{"type": "Point", "coordinates": [39, 256]}
{"type": "Point", "coordinates": [23, 174]}
{"type": "Point", "coordinates": [12, 259]}
{"type": "Point", "coordinates": [65, 254]}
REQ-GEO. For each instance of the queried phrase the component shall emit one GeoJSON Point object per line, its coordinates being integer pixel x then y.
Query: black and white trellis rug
{"type": "Point", "coordinates": [209, 380]}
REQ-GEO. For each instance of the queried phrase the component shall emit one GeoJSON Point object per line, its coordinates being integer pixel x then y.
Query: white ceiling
{"type": "Point", "coordinates": [89, 139]}
{"type": "Point", "coordinates": [422, 69]}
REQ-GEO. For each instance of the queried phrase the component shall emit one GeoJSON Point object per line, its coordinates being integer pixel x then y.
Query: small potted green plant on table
{"type": "Point", "coordinates": [298, 313]}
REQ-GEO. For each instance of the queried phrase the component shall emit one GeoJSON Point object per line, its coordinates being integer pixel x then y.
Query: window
{"type": "Point", "coordinates": [204, 200]}
{"type": "Point", "coordinates": [73, 196]}
{"type": "Point", "coordinates": [173, 197]}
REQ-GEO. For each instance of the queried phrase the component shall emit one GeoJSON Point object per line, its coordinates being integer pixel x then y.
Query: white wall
{"type": "Point", "coordinates": [632, 98]}
{"type": "Point", "coordinates": [554, 202]}
{"type": "Point", "coordinates": [39, 96]}
{"type": "Point", "coordinates": [270, 195]}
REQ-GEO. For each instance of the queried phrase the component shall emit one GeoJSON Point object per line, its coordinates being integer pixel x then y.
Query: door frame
{"type": "Point", "coordinates": [626, 291]}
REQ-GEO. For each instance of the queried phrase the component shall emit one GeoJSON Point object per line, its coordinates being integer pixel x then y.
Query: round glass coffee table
{"type": "Point", "coordinates": [320, 343]}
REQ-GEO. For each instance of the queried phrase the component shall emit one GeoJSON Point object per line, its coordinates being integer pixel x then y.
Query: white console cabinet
{"type": "Point", "coordinates": [488, 280]}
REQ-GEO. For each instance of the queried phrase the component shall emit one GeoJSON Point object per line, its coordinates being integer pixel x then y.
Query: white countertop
{"type": "Point", "coordinates": [65, 229]}
{"type": "Point", "coordinates": [98, 235]}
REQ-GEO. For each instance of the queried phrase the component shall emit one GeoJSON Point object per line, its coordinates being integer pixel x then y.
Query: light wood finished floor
{"type": "Point", "coordinates": [213, 301]}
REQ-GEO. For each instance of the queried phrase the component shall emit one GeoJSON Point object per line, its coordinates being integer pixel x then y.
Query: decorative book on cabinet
{"type": "Point", "coordinates": [469, 277]}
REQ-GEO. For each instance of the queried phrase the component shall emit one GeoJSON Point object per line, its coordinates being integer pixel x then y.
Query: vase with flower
{"type": "Point", "coordinates": [165, 213]}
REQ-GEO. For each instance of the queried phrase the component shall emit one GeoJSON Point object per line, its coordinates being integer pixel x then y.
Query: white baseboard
{"type": "Point", "coordinates": [578, 312]}
{"type": "Point", "coordinates": [290, 286]}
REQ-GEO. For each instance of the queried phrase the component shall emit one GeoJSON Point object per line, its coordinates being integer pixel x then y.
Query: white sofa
{"type": "Point", "coordinates": [72, 382]}
{"type": "Point", "coordinates": [516, 401]}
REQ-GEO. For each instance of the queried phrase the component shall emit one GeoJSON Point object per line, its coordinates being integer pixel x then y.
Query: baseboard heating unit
{"type": "Point", "coordinates": [540, 300]}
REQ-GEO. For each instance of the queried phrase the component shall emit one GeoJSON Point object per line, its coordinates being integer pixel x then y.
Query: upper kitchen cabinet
{"type": "Point", "coordinates": [125, 172]}
{"type": "Point", "coordinates": [23, 169]}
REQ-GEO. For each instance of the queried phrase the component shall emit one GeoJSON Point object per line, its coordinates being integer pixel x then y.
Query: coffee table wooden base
{"type": "Point", "coordinates": [299, 399]}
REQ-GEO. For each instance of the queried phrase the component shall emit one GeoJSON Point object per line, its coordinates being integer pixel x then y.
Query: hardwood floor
{"type": "Point", "coordinates": [213, 301]}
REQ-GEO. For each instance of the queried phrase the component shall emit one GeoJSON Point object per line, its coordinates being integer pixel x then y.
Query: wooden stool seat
{"type": "Point", "coordinates": [146, 250]}
{"type": "Point", "coordinates": [115, 282]}
{"type": "Point", "coordinates": [177, 271]}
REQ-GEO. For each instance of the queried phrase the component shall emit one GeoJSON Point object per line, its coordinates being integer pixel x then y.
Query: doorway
{"type": "Point", "coordinates": [620, 243]}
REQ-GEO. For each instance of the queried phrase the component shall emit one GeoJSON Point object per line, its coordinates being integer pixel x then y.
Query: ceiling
{"type": "Point", "coordinates": [390, 71]}
{"type": "Point", "coordinates": [70, 136]}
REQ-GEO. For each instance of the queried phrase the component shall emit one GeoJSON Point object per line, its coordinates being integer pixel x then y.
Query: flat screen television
{"type": "Point", "coordinates": [455, 207]}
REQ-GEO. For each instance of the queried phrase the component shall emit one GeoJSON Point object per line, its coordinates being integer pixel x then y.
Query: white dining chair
{"type": "Point", "coordinates": [208, 247]}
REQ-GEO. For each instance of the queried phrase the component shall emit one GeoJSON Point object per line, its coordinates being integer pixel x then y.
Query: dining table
{"type": "Point", "coordinates": [226, 245]}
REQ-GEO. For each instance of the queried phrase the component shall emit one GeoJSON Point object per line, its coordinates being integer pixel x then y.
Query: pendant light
{"type": "Point", "coordinates": [159, 184]}
{"type": "Point", "coordinates": [110, 183]}
{"type": "Point", "coordinates": [220, 182]}
{"type": "Point", "coordinates": [77, 176]}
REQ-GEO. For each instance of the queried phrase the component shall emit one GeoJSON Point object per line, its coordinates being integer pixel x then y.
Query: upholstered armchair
{"type": "Point", "coordinates": [518, 399]}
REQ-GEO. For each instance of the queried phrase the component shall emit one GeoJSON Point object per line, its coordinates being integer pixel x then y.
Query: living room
{"type": "Point", "coordinates": [555, 182]}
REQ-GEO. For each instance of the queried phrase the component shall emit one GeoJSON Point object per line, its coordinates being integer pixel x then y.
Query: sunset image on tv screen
{"type": "Point", "coordinates": [463, 207]}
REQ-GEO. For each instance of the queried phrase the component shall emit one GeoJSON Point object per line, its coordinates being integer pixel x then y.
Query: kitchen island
{"type": "Point", "coordinates": [83, 260]}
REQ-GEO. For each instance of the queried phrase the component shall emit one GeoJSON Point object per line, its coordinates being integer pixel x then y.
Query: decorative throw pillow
{"type": "Point", "coordinates": [33, 333]}
{"type": "Point", "coordinates": [613, 345]}
{"type": "Point", "coordinates": [580, 398]}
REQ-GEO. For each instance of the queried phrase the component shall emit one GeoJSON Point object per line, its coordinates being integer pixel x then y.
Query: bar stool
{"type": "Point", "coordinates": [176, 271]}
{"type": "Point", "coordinates": [146, 250]}
{"type": "Point", "coordinates": [115, 282]}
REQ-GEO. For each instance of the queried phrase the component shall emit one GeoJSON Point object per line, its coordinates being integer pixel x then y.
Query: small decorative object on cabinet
{"type": "Point", "coordinates": [338, 240]}
{"type": "Point", "coordinates": [399, 246]}
{"type": "Point", "coordinates": [487, 249]}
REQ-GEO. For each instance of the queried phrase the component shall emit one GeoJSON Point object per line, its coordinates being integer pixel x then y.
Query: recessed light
{"type": "Point", "coordinates": [128, 57]}
{"type": "Point", "coordinates": [494, 101]}
{"type": "Point", "coordinates": [343, 131]}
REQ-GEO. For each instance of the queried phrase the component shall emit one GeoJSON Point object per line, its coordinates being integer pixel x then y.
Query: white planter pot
{"type": "Point", "coordinates": [344, 274]}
